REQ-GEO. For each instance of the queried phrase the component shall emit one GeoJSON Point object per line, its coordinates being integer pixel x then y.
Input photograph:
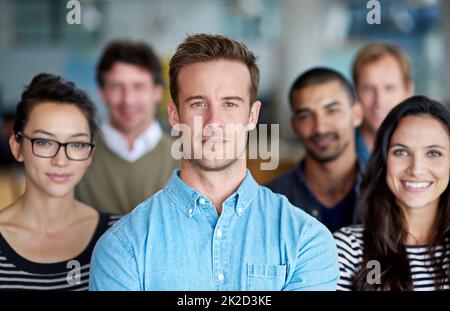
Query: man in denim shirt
{"type": "Point", "coordinates": [213, 227]}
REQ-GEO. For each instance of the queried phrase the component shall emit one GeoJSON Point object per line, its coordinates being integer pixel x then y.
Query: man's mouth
{"type": "Point", "coordinates": [323, 141]}
{"type": "Point", "coordinates": [128, 113]}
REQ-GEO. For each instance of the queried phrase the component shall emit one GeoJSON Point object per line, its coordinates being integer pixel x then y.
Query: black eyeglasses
{"type": "Point", "coordinates": [49, 148]}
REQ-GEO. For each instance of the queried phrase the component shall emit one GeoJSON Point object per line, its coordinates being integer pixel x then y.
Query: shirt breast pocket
{"type": "Point", "coordinates": [262, 277]}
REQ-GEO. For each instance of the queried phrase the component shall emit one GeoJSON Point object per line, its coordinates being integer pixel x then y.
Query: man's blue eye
{"type": "Point", "coordinates": [434, 153]}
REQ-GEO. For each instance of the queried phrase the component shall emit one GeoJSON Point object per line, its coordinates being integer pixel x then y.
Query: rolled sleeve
{"type": "Point", "coordinates": [317, 267]}
{"type": "Point", "coordinates": [113, 266]}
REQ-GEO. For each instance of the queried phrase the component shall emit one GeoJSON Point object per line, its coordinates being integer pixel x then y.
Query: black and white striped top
{"type": "Point", "coordinates": [349, 242]}
{"type": "Point", "coordinates": [18, 273]}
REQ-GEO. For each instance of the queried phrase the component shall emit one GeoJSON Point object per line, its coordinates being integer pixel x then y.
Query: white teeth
{"type": "Point", "coordinates": [417, 185]}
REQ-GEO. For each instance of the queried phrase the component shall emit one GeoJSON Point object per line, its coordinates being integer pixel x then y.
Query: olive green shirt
{"type": "Point", "coordinates": [114, 185]}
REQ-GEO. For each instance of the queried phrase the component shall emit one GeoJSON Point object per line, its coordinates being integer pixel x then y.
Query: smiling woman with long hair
{"type": "Point", "coordinates": [404, 242]}
{"type": "Point", "coordinates": [46, 236]}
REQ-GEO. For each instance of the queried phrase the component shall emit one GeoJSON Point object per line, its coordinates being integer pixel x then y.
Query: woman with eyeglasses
{"type": "Point", "coordinates": [404, 242]}
{"type": "Point", "coordinates": [47, 236]}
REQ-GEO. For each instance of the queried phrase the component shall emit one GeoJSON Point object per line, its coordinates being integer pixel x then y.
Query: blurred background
{"type": "Point", "coordinates": [288, 36]}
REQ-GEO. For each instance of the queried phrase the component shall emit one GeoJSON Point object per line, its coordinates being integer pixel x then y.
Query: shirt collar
{"type": "Point", "coordinates": [361, 170]}
{"type": "Point", "coordinates": [188, 199]}
{"type": "Point", "coordinates": [142, 145]}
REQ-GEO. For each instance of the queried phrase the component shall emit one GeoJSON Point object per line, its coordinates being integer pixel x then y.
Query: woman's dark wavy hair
{"type": "Point", "coordinates": [384, 221]}
{"type": "Point", "coordinates": [47, 87]}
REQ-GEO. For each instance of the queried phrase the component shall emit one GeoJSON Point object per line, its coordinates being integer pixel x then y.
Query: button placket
{"type": "Point", "coordinates": [190, 212]}
{"type": "Point", "coordinates": [217, 264]}
{"type": "Point", "coordinates": [220, 277]}
{"type": "Point", "coordinates": [221, 251]}
{"type": "Point", "coordinates": [219, 233]}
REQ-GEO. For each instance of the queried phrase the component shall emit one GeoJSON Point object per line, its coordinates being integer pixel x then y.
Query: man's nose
{"type": "Point", "coordinates": [320, 123]}
{"type": "Point", "coordinates": [213, 120]}
{"type": "Point", "coordinates": [128, 96]}
{"type": "Point", "coordinates": [213, 115]}
{"type": "Point", "coordinates": [379, 98]}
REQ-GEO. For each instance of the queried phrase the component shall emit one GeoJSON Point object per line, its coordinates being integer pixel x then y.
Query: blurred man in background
{"type": "Point", "coordinates": [382, 78]}
{"type": "Point", "coordinates": [326, 182]}
{"type": "Point", "coordinates": [132, 158]}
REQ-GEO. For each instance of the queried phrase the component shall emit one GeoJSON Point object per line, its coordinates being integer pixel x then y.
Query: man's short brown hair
{"type": "Point", "coordinates": [203, 48]}
{"type": "Point", "coordinates": [375, 51]}
{"type": "Point", "coordinates": [135, 53]}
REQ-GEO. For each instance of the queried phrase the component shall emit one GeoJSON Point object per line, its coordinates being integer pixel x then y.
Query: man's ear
{"type": "Point", "coordinates": [173, 115]}
{"type": "Point", "coordinates": [292, 120]}
{"type": "Point", "coordinates": [295, 126]}
{"type": "Point", "coordinates": [357, 114]}
{"type": "Point", "coordinates": [410, 88]}
{"type": "Point", "coordinates": [101, 91]}
{"type": "Point", "coordinates": [254, 115]}
{"type": "Point", "coordinates": [16, 148]}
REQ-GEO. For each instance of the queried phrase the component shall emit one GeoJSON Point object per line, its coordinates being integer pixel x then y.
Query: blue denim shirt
{"type": "Point", "coordinates": [175, 240]}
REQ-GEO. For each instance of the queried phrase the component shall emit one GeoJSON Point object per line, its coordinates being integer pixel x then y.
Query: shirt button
{"type": "Point", "coordinates": [190, 211]}
{"type": "Point", "coordinates": [220, 277]}
{"type": "Point", "coordinates": [219, 233]}
{"type": "Point", "coordinates": [239, 211]}
{"type": "Point", "coordinates": [202, 201]}
{"type": "Point", "coordinates": [315, 213]}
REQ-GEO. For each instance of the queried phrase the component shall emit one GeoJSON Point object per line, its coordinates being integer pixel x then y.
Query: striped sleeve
{"type": "Point", "coordinates": [349, 245]}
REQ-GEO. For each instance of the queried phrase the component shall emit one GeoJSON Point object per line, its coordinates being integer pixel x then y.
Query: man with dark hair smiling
{"type": "Point", "coordinates": [326, 182]}
{"type": "Point", "coordinates": [213, 227]}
